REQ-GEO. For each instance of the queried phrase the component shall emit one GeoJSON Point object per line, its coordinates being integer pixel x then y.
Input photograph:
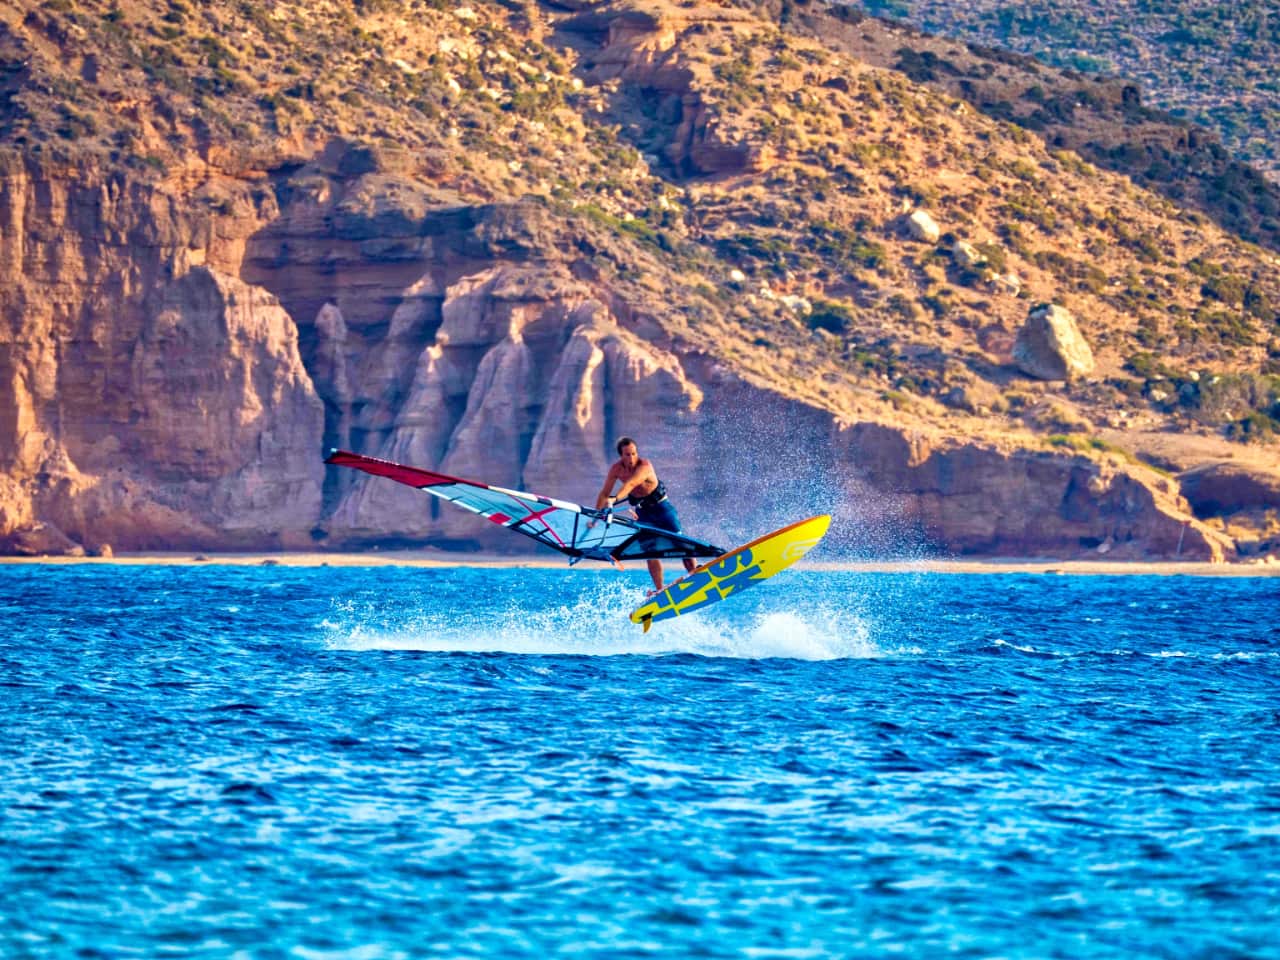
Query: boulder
{"type": "Point", "coordinates": [923, 227]}
{"type": "Point", "coordinates": [1009, 283]}
{"type": "Point", "coordinates": [1050, 346]}
{"type": "Point", "coordinates": [967, 256]}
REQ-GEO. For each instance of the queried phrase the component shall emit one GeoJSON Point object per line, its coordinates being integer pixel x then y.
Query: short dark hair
{"type": "Point", "coordinates": [625, 442]}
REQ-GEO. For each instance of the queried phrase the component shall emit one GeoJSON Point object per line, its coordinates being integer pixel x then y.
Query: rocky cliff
{"type": "Point", "coordinates": [149, 397]}
{"type": "Point", "coordinates": [182, 339]}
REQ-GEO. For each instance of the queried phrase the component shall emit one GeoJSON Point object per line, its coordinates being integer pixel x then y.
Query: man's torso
{"type": "Point", "coordinates": [645, 486]}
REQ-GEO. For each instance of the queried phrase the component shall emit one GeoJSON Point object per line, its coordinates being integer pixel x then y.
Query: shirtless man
{"type": "Point", "coordinates": [647, 496]}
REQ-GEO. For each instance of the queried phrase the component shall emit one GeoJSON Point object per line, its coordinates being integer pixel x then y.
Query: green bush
{"type": "Point", "coordinates": [1147, 366]}
{"type": "Point", "coordinates": [832, 316]}
{"type": "Point", "coordinates": [996, 258]}
{"type": "Point", "coordinates": [904, 306]}
{"type": "Point", "coordinates": [1072, 441]}
{"type": "Point", "coordinates": [1225, 327]}
{"type": "Point", "coordinates": [1257, 303]}
{"type": "Point", "coordinates": [1227, 289]}
{"type": "Point", "coordinates": [1221, 397]}
{"type": "Point", "coordinates": [1256, 426]}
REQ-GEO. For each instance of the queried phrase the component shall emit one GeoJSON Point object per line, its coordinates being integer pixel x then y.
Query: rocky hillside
{"type": "Point", "coordinates": [1211, 63]}
{"type": "Point", "coordinates": [489, 238]}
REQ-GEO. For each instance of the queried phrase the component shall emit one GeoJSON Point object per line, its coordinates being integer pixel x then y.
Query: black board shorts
{"type": "Point", "coordinates": [661, 515]}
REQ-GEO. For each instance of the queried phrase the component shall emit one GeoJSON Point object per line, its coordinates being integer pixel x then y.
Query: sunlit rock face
{"type": "Point", "coordinates": [972, 497]}
{"type": "Point", "coordinates": [150, 397]}
{"type": "Point", "coordinates": [523, 385]}
{"type": "Point", "coordinates": [178, 356]}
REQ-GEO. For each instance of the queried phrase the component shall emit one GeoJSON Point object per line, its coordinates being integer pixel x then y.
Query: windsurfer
{"type": "Point", "coordinates": [647, 496]}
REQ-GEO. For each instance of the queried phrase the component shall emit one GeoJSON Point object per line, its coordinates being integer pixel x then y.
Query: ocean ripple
{"type": "Point", "coordinates": [344, 762]}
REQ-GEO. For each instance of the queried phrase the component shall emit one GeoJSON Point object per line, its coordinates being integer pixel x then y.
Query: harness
{"type": "Point", "coordinates": [651, 499]}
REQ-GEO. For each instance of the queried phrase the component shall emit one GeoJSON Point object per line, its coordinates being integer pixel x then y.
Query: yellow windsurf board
{"type": "Point", "coordinates": [733, 572]}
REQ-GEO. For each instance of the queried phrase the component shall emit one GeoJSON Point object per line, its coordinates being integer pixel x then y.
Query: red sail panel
{"type": "Point", "coordinates": [410, 476]}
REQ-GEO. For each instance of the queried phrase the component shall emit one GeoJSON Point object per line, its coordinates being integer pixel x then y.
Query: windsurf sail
{"type": "Point", "coordinates": [577, 531]}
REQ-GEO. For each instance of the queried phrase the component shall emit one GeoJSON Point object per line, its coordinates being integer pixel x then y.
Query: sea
{"type": "Point", "coordinates": [244, 761]}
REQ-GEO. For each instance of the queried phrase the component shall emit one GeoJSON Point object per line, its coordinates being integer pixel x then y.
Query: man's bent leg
{"type": "Point", "coordinates": [690, 564]}
{"type": "Point", "coordinates": [655, 571]}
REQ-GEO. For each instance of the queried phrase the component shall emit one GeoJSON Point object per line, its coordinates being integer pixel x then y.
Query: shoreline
{"type": "Point", "coordinates": [440, 558]}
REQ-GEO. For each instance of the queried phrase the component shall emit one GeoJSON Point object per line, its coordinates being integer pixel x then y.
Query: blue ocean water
{"type": "Point", "coordinates": [222, 761]}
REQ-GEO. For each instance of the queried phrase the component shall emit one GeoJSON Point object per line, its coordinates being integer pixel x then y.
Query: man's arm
{"type": "Point", "coordinates": [603, 497]}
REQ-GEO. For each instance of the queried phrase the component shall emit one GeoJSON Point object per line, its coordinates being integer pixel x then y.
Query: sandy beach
{"type": "Point", "coordinates": [441, 558]}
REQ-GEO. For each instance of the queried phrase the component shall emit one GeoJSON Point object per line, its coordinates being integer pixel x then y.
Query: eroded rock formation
{"type": "Point", "coordinates": [149, 398]}
{"type": "Point", "coordinates": [154, 399]}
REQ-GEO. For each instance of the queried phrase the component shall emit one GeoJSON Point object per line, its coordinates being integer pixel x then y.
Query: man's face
{"type": "Point", "coordinates": [630, 456]}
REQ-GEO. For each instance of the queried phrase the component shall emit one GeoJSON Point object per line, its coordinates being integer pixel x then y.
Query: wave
{"type": "Point", "coordinates": [1086, 652]}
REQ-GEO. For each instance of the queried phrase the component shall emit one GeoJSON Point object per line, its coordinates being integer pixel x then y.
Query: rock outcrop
{"type": "Point", "coordinates": [637, 51]}
{"type": "Point", "coordinates": [151, 399]}
{"type": "Point", "coordinates": [1221, 489]}
{"type": "Point", "coordinates": [974, 498]}
{"type": "Point", "coordinates": [522, 384]}
{"type": "Point", "coordinates": [41, 539]}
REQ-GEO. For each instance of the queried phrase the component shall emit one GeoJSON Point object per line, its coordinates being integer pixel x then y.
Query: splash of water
{"type": "Point", "coordinates": [594, 624]}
